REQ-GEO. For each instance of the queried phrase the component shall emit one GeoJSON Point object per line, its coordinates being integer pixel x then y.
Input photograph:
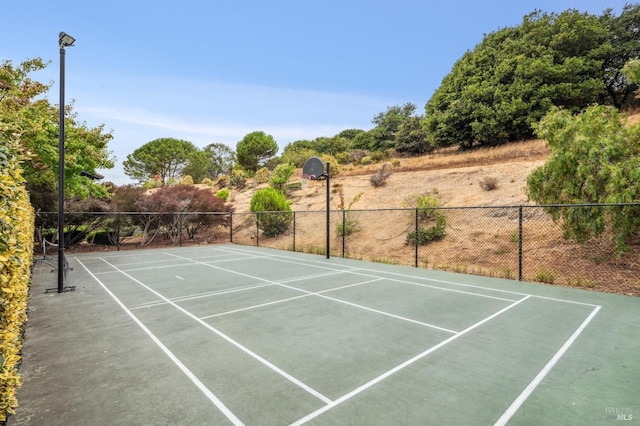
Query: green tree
{"type": "Point", "coordinates": [387, 125]}
{"type": "Point", "coordinates": [625, 46]}
{"type": "Point", "coordinates": [221, 159]}
{"type": "Point", "coordinates": [281, 175]}
{"type": "Point", "coordinates": [254, 149]}
{"type": "Point", "coordinates": [595, 158]}
{"type": "Point", "coordinates": [30, 123]}
{"type": "Point", "coordinates": [164, 157]}
{"type": "Point", "coordinates": [411, 138]}
{"type": "Point", "coordinates": [273, 211]}
{"type": "Point", "coordinates": [496, 92]}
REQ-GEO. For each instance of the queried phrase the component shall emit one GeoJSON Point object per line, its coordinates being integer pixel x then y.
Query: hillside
{"type": "Point", "coordinates": [478, 241]}
{"type": "Point", "coordinates": [455, 176]}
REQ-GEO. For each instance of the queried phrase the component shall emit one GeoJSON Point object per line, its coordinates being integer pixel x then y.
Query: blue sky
{"type": "Point", "coordinates": [213, 71]}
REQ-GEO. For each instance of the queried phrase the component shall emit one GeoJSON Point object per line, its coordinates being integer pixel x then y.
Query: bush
{"type": "Point", "coordinates": [343, 157]}
{"type": "Point", "coordinates": [238, 178]}
{"type": "Point", "coordinates": [223, 194]}
{"type": "Point", "coordinates": [488, 183]}
{"type": "Point", "coordinates": [187, 180]}
{"type": "Point", "coordinates": [427, 235]}
{"type": "Point", "coordinates": [427, 205]}
{"type": "Point", "coordinates": [366, 160]}
{"type": "Point", "coordinates": [380, 178]}
{"type": "Point", "coordinates": [358, 154]}
{"type": "Point", "coordinates": [263, 175]}
{"type": "Point", "coordinates": [223, 181]}
{"type": "Point", "coordinates": [377, 156]}
{"type": "Point", "coordinates": [17, 220]}
{"type": "Point", "coordinates": [272, 210]}
{"type": "Point", "coordinates": [207, 181]}
{"type": "Point", "coordinates": [335, 166]}
{"type": "Point", "coordinates": [281, 175]}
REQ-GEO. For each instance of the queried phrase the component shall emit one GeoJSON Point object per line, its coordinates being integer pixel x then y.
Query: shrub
{"type": "Point", "coordinates": [263, 175]}
{"type": "Point", "coordinates": [281, 175]}
{"type": "Point", "coordinates": [335, 166]}
{"type": "Point", "coordinates": [358, 154]}
{"type": "Point", "coordinates": [427, 205]}
{"type": "Point", "coordinates": [223, 194]}
{"type": "Point", "coordinates": [395, 163]}
{"type": "Point", "coordinates": [377, 156]}
{"type": "Point", "coordinates": [17, 220]}
{"type": "Point", "coordinates": [544, 276]}
{"type": "Point", "coordinates": [223, 181]}
{"type": "Point", "coordinates": [427, 235]}
{"type": "Point", "coordinates": [343, 157]}
{"type": "Point", "coordinates": [380, 178]}
{"type": "Point", "coordinates": [238, 178]}
{"type": "Point", "coordinates": [272, 210]}
{"type": "Point", "coordinates": [187, 180]}
{"type": "Point", "coordinates": [366, 160]}
{"type": "Point", "coordinates": [207, 181]}
{"type": "Point", "coordinates": [488, 183]}
{"type": "Point", "coordinates": [350, 224]}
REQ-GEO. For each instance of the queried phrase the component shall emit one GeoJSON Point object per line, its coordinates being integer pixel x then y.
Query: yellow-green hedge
{"type": "Point", "coordinates": [16, 258]}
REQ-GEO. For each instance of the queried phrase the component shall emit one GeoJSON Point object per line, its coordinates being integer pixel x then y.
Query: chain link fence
{"type": "Point", "coordinates": [513, 242]}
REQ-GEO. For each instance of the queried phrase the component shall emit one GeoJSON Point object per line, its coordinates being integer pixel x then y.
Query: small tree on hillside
{"type": "Point", "coordinates": [595, 158]}
{"type": "Point", "coordinates": [281, 175]}
{"type": "Point", "coordinates": [272, 210]}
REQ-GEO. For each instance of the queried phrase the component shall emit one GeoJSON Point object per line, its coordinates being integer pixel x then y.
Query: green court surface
{"type": "Point", "coordinates": [233, 334]}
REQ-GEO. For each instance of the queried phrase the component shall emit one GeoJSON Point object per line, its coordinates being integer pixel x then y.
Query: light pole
{"type": "Point", "coordinates": [64, 40]}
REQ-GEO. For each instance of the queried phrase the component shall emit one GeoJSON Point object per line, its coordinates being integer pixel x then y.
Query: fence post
{"type": "Point", "coordinates": [520, 220]}
{"type": "Point", "coordinates": [179, 229]}
{"type": "Point", "coordinates": [231, 227]}
{"type": "Point", "coordinates": [117, 231]}
{"type": "Point", "coordinates": [415, 236]}
{"type": "Point", "coordinates": [257, 230]}
{"type": "Point", "coordinates": [294, 231]}
{"type": "Point", "coordinates": [344, 226]}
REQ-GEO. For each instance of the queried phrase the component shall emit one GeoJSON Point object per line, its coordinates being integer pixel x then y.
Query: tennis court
{"type": "Point", "coordinates": [233, 334]}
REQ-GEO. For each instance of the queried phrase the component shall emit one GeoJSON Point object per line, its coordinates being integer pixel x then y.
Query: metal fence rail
{"type": "Point", "coordinates": [514, 242]}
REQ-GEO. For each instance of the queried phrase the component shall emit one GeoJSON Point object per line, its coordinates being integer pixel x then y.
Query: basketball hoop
{"type": "Point", "coordinates": [304, 181]}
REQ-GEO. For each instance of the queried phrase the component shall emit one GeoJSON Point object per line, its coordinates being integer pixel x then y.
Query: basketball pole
{"type": "Point", "coordinates": [328, 206]}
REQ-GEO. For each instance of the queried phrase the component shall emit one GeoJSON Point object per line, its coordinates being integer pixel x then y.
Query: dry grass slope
{"type": "Point", "coordinates": [475, 244]}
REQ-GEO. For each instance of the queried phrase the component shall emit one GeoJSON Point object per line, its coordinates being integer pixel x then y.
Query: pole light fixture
{"type": "Point", "coordinates": [64, 40]}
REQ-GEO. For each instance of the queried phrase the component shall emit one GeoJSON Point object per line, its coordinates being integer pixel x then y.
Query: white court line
{"type": "Point", "coordinates": [205, 390]}
{"type": "Point", "coordinates": [227, 290]}
{"type": "Point", "coordinates": [355, 305]}
{"type": "Point", "coordinates": [200, 295]}
{"type": "Point", "coordinates": [506, 416]}
{"type": "Point", "coordinates": [228, 339]}
{"type": "Point", "coordinates": [354, 271]}
{"type": "Point", "coordinates": [325, 297]}
{"type": "Point", "coordinates": [403, 365]}
{"type": "Point", "coordinates": [283, 300]}
{"type": "Point", "coordinates": [473, 286]}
